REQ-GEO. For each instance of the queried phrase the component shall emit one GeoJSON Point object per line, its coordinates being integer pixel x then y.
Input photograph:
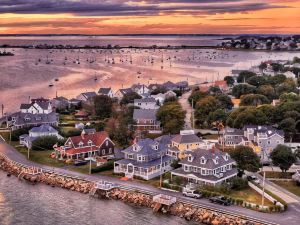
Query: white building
{"type": "Point", "coordinates": [146, 103]}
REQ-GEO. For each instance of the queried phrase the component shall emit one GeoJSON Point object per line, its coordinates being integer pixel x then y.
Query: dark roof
{"type": "Point", "coordinates": [233, 131]}
{"type": "Point", "coordinates": [43, 129]}
{"type": "Point", "coordinates": [209, 156]}
{"type": "Point", "coordinates": [104, 91]}
{"type": "Point", "coordinates": [144, 100]}
{"type": "Point", "coordinates": [145, 164]}
{"type": "Point", "coordinates": [25, 106]}
{"type": "Point", "coordinates": [169, 85]}
{"type": "Point", "coordinates": [186, 138]}
{"type": "Point", "coordinates": [145, 147]}
{"type": "Point", "coordinates": [89, 94]}
{"type": "Point", "coordinates": [28, 118]}
{"type": "Point", "coordinates": [148, 114]}
{"type": "Point", "coordinates": [125, 90]}
{"type": "Point", "coordinates": [268, 130]}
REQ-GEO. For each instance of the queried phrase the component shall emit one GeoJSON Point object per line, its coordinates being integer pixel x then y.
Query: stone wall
{"type": "Point", "coordinates": [183, 210]}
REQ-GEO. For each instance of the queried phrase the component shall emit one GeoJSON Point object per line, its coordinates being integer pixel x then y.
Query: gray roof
{"type": "Point", "coordinates": [148, 100]}
{"type": "Point", "coordinates": [208, 155]}
{"type": "Point", "coordinates": [146, 147]}
{"type": "Point", "coordinates": [186, 138]}
{"type": "Point", "coordinates": [268, 130]}
{"type": "Point", "coordinates": [43, 129]}
{"type": "Point", "coordinates": [148, 114]}
{"type": "Point", "coordinates": [145, 164]}
{"type": "Point", "coordinates": [125, 90]}
{"type": "Point", "coordinates": [28, 118]}
{"type": "Point", "coordinates": [228, 173]}
{"type": "Point", "coordinates": [43, 104]}
{"type": "Point", "coordinates": [233, 131]}
{"type": "Point", "coordinates": [169, 85]}
{"type": "Point", "coordinates": [25, 106]}
{"type": "Point", "coordinates": [104, 91]}
{"type": "Point", "coordinates": [89, 94]}
{"type": "Point", "coordinates": [165, 139]}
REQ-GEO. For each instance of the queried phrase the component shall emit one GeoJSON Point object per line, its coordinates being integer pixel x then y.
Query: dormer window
{"type": "Point", "coordinates": [156, 147]}
{"type": "Point", "coordinates": [216, 160]}
{"type": "Point", "coordinates": [190, 158]}
{"type": "Point", "coordinates": [202, 160]}
{"type": "Point", "coordinates": [90, 143]}
{"type": "Point", "coordinates": [226, 157]}
{"type": "Point", "coordinates": [80, 144]}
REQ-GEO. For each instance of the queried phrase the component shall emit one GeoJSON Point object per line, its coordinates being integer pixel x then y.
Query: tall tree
{"type": "Point", "coordinates": [245, 158]}
{"type": "Point", "coordinates": [245, 75]}
{"type": "Point", "coordinates": [229, 80]}
{"type": "Point", "coordinates": [242, 89]}
{"type": "Point", "coordinates": [253, 100]}
{"type": "Point", "coordinates": [283, 157]}
{"type": "Point", "coordinates": [204, 107]}
{"type": "Point", "coordinates": [102, 106]}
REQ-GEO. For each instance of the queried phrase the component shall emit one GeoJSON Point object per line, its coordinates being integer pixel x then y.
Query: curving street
{"type": "Point", "coordinates": [290, 217]}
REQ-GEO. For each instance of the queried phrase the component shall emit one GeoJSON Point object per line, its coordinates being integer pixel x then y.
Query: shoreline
{"type": "Point", "coordinates": [181, 208]}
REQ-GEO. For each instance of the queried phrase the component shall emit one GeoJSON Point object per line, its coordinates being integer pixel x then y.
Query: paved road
{"type": "Point", "coordinates": [290, 217]}
{"type": "Point", "coordinates": [188, 108]}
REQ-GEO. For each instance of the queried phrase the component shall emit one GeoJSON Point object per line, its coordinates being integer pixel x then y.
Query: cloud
{"type": "Point", "coordinates": [131, 7]}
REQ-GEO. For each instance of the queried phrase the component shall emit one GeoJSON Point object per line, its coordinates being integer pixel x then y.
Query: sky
{"type": "Point", "coordinates": [94, 17]}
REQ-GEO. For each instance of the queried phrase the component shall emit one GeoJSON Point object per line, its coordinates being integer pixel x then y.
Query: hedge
{"type": "Point", "coordinates": [107, 166]}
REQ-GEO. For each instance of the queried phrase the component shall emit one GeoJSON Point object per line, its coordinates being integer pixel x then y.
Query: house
{"type": "Point", "coordinates": [160, 98]}
{"type": "Point", "coordinates": [153, 87]}
{"type": "Point", "coordinates": [146, 120]}
{"type": "Point", "coordinates": [121, 92]}
{"type": "Point", "coordinates": [185, 142]}
{"type": "Point", "coordinates": [170, 94]}
{"type": "Point", "coordinates": [86, 96]}
{"type": "Point", "coordinates": [222, 84]}
{"type": "Point", "coordinates": [140, 89]}
{"type": "Point", "coordinates": [170, 86]}
{"type": "Point", "coordinates": [183, 85]}
{"type": "Point", "coordinates": [37, 132]}
{"type": "Point", "coordinates": [206, 167]}
{"type": "Point", "coordinates": [146, 158]}
{"type": "Point", "coordinates": [86, 145]}
{"type": "Point", "coordinates": [60, 103]}
{"type": "Point", "coordinates": [74, 102]}
{"type": "Point", "coordinates": [106, 91]}
{"type": "Point", "coordinates": [21, 120]}
{"type": "Point", "coordinates": [41, 106]}
{"type": "Point", "coordinates": [81, 115]}
{"type": "Point", "coordinates": [290, 74]}
{"type": "Point", "coordinates": [146, 103]}
{"type": "Point", "coordinates": [263, 139]}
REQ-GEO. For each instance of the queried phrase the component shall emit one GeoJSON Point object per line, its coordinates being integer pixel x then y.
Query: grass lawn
{"type": "Point", "coordinates": [85, 169]}
{"type": "Point", "coordinates": [64, 118]}
{"type": "Point", "coordinates": [42, 157]}
{"type": "Point", "coordinates": [291, 186]}
{"type": "Point", "coordinates": [211, 136]}
{"type": "Point", "coordinates": [271, 174]}
{"type": "Point", "coordinates": [250, 195]}
{"type": "Point", "coordinates": [67, 129]}
{"type": "Point", "coordinates": [5, 135]}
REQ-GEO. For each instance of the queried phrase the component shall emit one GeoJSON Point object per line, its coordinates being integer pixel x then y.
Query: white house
{"type": "Point", "coordinates": [37, 107]}
{"type": "Point", "coordinates": [146, 103]}
{"type": "Point", "coordinates": [121, 92]}
{"type": "Point", "coordinates": [290, 74]}
{"type": "Point", "coordinates": [140, 89]}
{"type": "Point", "coordinates": [106, 91]}
{"type": "Point", "coordinates": [86, 96]}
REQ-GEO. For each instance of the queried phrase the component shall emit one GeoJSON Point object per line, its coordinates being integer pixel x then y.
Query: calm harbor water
{"type": "Point", "coordinates": [25, 204]}
{"type": "Point", "coordinates": [30, 71]}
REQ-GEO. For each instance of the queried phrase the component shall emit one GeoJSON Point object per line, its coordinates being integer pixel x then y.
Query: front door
{"type": "Point", "coordinates": [130, 168]}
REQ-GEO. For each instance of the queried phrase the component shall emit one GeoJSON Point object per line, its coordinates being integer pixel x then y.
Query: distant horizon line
{"type": "Point", "coordinates": [154, 34]}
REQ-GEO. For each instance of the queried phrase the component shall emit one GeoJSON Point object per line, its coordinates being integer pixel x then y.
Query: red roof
{"type": "Point", "coordinates": [73, 151]}
{"type": "Point", "coordinates": [221, 83]}
{"type": "Point", "coordinates": [81, 113]}
{"type": "Point", "coordinates": [96, 138]}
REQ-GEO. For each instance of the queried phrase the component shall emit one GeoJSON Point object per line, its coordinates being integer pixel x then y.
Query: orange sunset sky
{"type": "Point", "coordinates": [149, 16]}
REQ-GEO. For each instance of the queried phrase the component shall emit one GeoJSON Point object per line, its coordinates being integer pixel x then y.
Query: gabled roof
{"type": "Point", "coordinates": [25, 106]}
{"type": "Point", "coordinates": [97, 138]}
{"type": "Point", "coordinates": [104, 91]}
{"type": "Point", "coordinates": [28, 118]}
{"type": "Point", "coordinates": [186, 138]}
{"type": "Point", "coordinates": [148, 100]}
{"type": "Point", "coordinates": [209, 156]}
{"type": "Point", "coordinates": [89, 94]}
{"type": "Point", "coordinates": [148, 114]}
{"type": "Point", "coordinates": [125, 90]}
{"type": "Point", "coordinates": [43, 129]}
{"type": "Point", "coordinates": [145, 147]}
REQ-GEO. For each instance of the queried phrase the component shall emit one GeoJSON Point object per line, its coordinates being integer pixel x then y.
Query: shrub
{"type": "Point", "coordinates": [107, 166]}
{"type": "Point", "coordinates": [17, 133]}
{"type": "Point", "coordinates": [45, 143]}
{"type": "Point", "coordinates": [238, 183]}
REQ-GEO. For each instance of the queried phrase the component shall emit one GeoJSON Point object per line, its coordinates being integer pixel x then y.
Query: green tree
{"type": "Point", "coordinates": [196, 96]}
{"type": "Point", "coordinates": [204, 107]}
{"type": "Point", "coordinates": [286, 87]}
{"type": "Point", "coordinates": [129, 98]}
{"type": "Point", "coordinates": [242, 89]}
{"type": "Point", "coordinates": [45, 143]}
{"type": "Point", "coordinates": [267, 90]}
{"type": "Point", "coordinates": [288, 125]}
{"type": "Point", "coordinates": [253, 100]}
{"type": "Point", "coordinates": [218, 115]}
{"type": "Point", "coordinates": [159, 89]}
{"type": "Point", "coordinates": [245, 75]}
{"type": "Point", "coordinates": [289, 97]}
{"type": "Point", "coordinates": [245, 158]}
{"type": "Point", "coordinates": [277, 79]}
{"type": "Point", "coordinates": [102, 106]}
{"type": "Point", "coordinates": [229, 80]}
{"type": "Point", "coordinates": [283, 157]}
{"type": "Point", "coordinates": [171, 115]}
{"type": "Point", "coordinates": [215, 90]}
{"type": "Point", "coordinates": [225, 101]}
{"type": "Point", "coordinates": [257, 81]}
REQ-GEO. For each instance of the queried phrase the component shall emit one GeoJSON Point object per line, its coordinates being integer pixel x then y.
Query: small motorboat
{"type": "Point", "coordinates": [51, 85]}
{"type": "Point", "coordinates": [56, 79]}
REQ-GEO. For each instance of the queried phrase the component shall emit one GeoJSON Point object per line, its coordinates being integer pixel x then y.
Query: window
{"type": "Point", "coordinates": [90, 143]}
{"type": "Point", "coordinates": [80, 144]}
{"type": "Point", "coordinates": [190, 158]}
{"type": "Point", "coordinates": [202, 160]}
{"type": "Point", "coordinates": [103, 151]}
{"type": "Point", "coordinates": [269, 142]}
{"type": "Point", "coordinates": [110, 150]}
{"type": "Point", "coordinates": [106, 143]}
{"type": "Point", "coordinates": [186, 168]}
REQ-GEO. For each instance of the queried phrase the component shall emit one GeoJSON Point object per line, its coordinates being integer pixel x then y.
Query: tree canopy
{"type": "Point", "coordinates": [245, 75]}
{"type": "Point", "coordinates": [242, 89]}
{"type": "Point", "coordinates": [253, 100]}
{"type": "Point", "coordinates": [102, 106]}
{"type": "Point", "coordinates": [283, 157]}
{"type": "Point", "coordinates": [129, 98]}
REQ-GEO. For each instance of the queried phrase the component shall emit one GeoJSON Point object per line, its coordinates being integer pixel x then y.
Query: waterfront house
{"type": "Point", "coordinates": [146, 120]}
{"type": "Point", "coordinates": [74, 102]}
{"type": "Point", "coordinates": [146, 103]}
{"type": "Point", "coordinates": [87, 145]}
{"type": "Point", "coordinates": [86, 96]}
{"type": "Point", "coordinates": [34, 114]}
{"type": "Point", "coordinates": [37, 132]}
{"type": "Point", "coordinates": [160, 98]}
{"type": "Point", "coordinates": [146, 158]}
{"type": "Point", "coordinates": [263, 139]}
{"type": "Point", "coordinates": [106, 91]}
{"type": "Point", "coordinates": [121, 92]}
{"type": "Point", "coordinates": [185, 142]}
{"type": "Point", "coordinates": [170, 86]}
{"type": "Point", "coordinates": [290, 74]}
{"type": "Point", "coordinates": [140, 89]}
{"type": "Point", "coordinates": [183, 85]}
{"type": "Point", "coordinates": [206, 167]}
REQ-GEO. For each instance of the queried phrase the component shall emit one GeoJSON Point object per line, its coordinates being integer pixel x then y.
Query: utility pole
{"type": "Point", "coordinates": [192, 116]}
{"type": "Point", "coordinates": [28, 152]}
{"type": "Point", "coordinates": [263, 194]}
{"type": "Point", "coordinates": [160, 178]}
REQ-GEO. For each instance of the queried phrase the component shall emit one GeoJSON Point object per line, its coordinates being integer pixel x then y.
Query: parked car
{"type": "Point", "coordinates": [80, 162]}
{"type": "Point", "coordinates": [254, 179]}
{"type": "Point", "coordinates": [191, 194]}
{"type": "Point", "coordinates": [220, 200]}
